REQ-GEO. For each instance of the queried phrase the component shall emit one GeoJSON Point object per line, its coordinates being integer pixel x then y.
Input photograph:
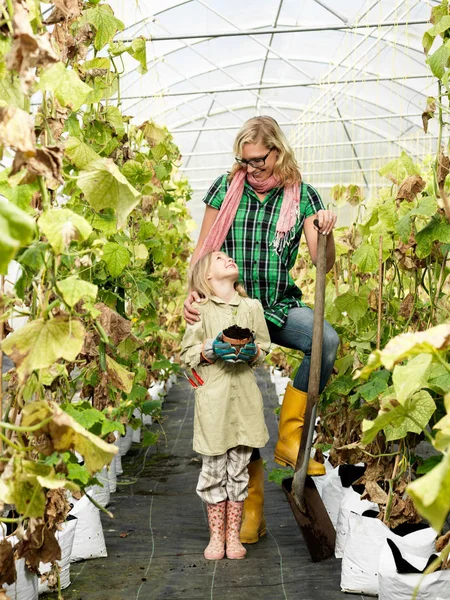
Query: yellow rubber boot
{"type": "Point", "coordinates": [253, 521]}
{"type": "Point", "coordinates": [290, 431]}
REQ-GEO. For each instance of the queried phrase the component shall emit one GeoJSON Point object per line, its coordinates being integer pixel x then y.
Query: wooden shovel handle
{"type": "Point", "coordinates": [301, 466]}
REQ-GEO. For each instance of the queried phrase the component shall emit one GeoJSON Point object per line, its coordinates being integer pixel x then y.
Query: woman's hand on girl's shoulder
{"type": "Point", "coordinates": [190, 312]}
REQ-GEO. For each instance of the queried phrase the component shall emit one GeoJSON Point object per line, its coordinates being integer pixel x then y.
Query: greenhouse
{"type": "Point", "coordinates": [224, 299]}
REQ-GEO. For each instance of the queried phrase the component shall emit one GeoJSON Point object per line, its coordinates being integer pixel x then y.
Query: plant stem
{"type": "Point", "coordinates": [25, 429]}
{"type": "Point", "coordinates": [380, 289]}
{"type": "Point", "coordinates": [387, 512]}
{"type": "Point", "coordinates": [99, 506]}
{"type": "Point", "coordinates": [2, 287]}
{"type": "Point", "coordinates": [44, 193]}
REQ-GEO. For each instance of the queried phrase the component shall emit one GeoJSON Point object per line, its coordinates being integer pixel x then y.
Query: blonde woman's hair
{"type": "Point", "coordinates": [198, 280]}
{"type": "Point", "coordinates": [266, 131]}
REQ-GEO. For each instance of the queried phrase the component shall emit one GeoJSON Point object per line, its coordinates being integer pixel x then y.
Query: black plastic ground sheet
{"type": "Point", "coordinates": [156, 540]}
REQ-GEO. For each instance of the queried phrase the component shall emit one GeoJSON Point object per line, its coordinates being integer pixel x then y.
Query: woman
{"type": "Point", "coordinates": [256, 215]}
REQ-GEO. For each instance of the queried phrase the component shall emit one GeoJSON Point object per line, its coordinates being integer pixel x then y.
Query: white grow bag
{"type": "Point", "coordinates": [365, 538]}
{"type": "Point", "coordinates": [333, 492]}
{"type": "Point", "coordinates": [112, 476]}
{"type": "Point", "coordinates": [65, 539]}
{"type": "Point", "coordinates": [101, 493]}
{"type": "Point", "coordinates": [401, 586]}
{"type": "Point", "coordinates": [124, 442]}
{"type": "Point", "coordinates": [89, 540]}
{"type": "Point", "coordinates": [26, 584]}
{"type": "Point", "coordinates": [351, 502]}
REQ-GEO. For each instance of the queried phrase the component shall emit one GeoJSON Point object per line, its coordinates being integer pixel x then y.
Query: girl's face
{"type": "Point", "coordinates": [259, 151]}
{"type": "Point", "coordinates": [222, 267]}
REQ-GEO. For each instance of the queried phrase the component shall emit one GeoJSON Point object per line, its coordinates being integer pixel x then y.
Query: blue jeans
{"type": "Point", "coordinates": [296, 333]}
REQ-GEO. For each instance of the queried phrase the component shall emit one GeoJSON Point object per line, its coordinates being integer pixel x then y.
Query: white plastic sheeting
{"type": "Point", "coordinates": [347, 81]}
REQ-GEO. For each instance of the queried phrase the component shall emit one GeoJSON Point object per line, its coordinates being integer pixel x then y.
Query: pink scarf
{"type": "Point", "coordinates": [286, 220]}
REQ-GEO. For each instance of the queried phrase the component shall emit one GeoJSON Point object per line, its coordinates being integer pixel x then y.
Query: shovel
{"type": "Point", "coordinates": [306, 504]}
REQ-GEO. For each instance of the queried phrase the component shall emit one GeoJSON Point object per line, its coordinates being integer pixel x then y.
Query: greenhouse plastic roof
{"type": "Point", "coordinates": [347, 81]}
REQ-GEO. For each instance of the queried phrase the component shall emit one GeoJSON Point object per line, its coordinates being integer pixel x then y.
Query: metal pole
{"type": "Point", "coordinates": [277, 86]}
{"type": "Point", "coordinates": [274, 30]}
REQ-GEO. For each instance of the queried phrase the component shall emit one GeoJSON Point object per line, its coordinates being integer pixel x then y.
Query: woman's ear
{"type": "Point", "coordinates": [208, 275]}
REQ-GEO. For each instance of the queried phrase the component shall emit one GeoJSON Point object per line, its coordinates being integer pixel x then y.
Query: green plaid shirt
{"type": "Point", "coordinates": [264, 273]}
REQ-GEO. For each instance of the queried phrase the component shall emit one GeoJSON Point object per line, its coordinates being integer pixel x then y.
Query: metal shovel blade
{"type": "Point", "coordinates": [314, 523]}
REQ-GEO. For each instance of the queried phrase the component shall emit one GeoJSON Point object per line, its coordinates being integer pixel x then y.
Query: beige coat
{"type": "Point", "coordinates": [228, 407]}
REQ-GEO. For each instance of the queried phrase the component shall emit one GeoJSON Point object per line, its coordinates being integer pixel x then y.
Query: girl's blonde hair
{"type": "Point", "coordinates": [266, 131]}
{"type": "Point", "coordinates": [198, 280]}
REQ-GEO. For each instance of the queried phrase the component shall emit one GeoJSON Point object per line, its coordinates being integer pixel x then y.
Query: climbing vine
{"type": "Point", "coordinates": [99, 233]}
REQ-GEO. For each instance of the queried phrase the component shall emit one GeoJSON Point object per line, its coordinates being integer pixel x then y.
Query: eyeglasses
{"type": "Point", "coordinates": [253, 162]}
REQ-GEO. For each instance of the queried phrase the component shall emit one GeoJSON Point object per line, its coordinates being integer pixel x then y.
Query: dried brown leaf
{"type": "Point", "coordinates": [443, 169]}
{"type": "Point", "coordinates": [57, 507]}
{"type": "Point", "coordinates": [117, 327]}
{"type": "Point", "coordinates": [428, 112]}
{"type": "Point", "coordinates": [374, 493]}
{"type": "Point", "coordinates": [28, 51]}
{"type": "Point", "coordinates": [410, 187]}
{"type": "Point", "coordinates": [442, 541]}
{"type": "Point", "coordinates": [17, 130]}
{"type": "Point", "coordinates": [64, 9]}
{"type": "Point", "coordinates": [38, 544]}
{"type": "Point", "coordinates": [407, 306]}
{"type": "Point", "coordinates": [373, 299]}
{"type": "Point", "coordinates": [7, 567]}
{"type": "Point", "coordinates": [46, 162]}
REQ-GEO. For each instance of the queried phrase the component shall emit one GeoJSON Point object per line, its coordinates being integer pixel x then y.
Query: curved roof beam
{"type": "Point", "coordinates": [290, 106]}
{"type": "Point", "coordinates": [222, 70]}
{"type": "Point", "coordinates": [263, 69]}
{"type": "Point", "coordinates": [389, 43]}
{"type": "Point", "coordinates": [329, 94]}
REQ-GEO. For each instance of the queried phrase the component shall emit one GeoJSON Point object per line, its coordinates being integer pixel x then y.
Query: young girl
{"type": "Point", "coordinates": [229, 419]}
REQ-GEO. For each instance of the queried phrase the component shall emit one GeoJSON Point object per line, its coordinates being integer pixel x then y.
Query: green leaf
{"type": "Point", "coordinates": [29, 498]}
{"type": "Point", "coordinates": [377, 384]}
{"type": "Point", "coordinates": [48, 376]}
{"type": "Point", "coordinates": [277, 475]}
{"type": "Point", "coordinates": [428, 464]}
{"type": "Point", "coordinates": [11, 92]}
{"type": "Point", "coordinates": [114, 118]}
{"type": "Point", "coordinates": [354, 305]}
{"type": "Point", "coordinates": [407, 345]}
{"type": "Point", "coordinates": [399, 169]}
{"type": "Point", "coordinates": [437, 230]}
{"type": "Point", "coordinates": [149, 438]}
{"type": "Point", "coordinates": [411, 377]}
{"type": "Point", "coordinates": [78, 472]}
{"type": "Point", "coordinates": [16, 230]}
{"type": "Point", "coordinates": [137, 173]}
{"type": "Point", "coordinates": [413, 416]}
{"type": "Point", "coordinates": [39, 344]}
{"type": "Point", "coordinates": [431, 493]}
{"type": "Point", "coordinates": [438, 61]}
{"type": "Point", "coordinates": [366, 258]}
{"type": "Point", "coordinates": [84, 414]}
{"type": "Point", "coordinates": [74, 289]}
{"type": "Point", "coordinates": [67, 434]}
{"type": "Point", "coordinates": [79, 153]}
{"type": "Point", "coordinates": [68, 88]}
{"type": "Point", "coordinates": [151, 407]}
{"type": "Point", "coordinates": [426, 208]}
{"type": "Point", "coordinates": [139, 52]}
{"type": "Point", "coordinates": [106, 24]}
{"type": "Point", "coordinates": [116, 257]}
{"type": "Point", "coordinates": [61, 226]}
{"type": "Point", "coordinates": [341, 385]}
{"type": "Point", "coordinates": [439, 378]}
{"type": "Point", "coordinates": [104, 186]}
{"type": "Point", "coordinates": [138, 392]}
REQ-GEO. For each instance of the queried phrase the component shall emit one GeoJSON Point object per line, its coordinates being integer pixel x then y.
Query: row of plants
{"type": "Point", "coordinates": [99, 229]}
{"type": "Point", "coordinates": [388, 403]}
